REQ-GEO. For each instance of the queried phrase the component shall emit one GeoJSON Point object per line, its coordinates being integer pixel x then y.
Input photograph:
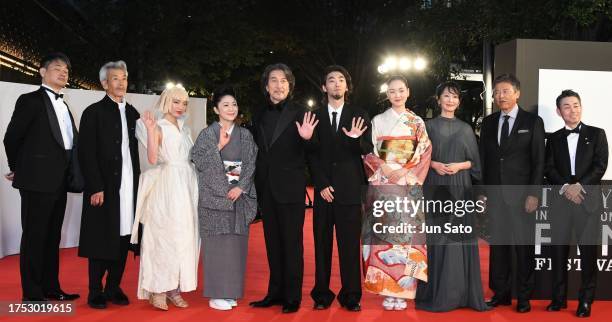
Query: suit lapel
{"type": "Point", "coordinates": [583, 138]}
{"type": "Point", "coordinates": [564, 154]}
{"type": "Point", "coordinates": [345, 119]}
{"type": "Point", "coordinates": [53, 121]}
{"type": "Point", "coordinates": [287, 116]}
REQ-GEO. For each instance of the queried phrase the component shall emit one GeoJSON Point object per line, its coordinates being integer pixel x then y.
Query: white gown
{"type": "Point", "coordinates": [167, 208]}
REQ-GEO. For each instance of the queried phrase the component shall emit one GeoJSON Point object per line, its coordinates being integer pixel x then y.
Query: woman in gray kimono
{"type": "Point", "coordinates": [224, 156]}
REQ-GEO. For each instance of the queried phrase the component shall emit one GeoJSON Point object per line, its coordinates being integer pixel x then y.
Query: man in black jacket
{"type": "Point", "coordinates": [576, 160]}
{"type": "Point", "coordinates": [338, 175]}
{"type": "Point", "coordinates": [109, 159]}
{"type": "Point", "coordinates": [512, 154]}
{"type": "Point", "coordinates": [39, 142]}
{"type": "Point", "coordinates": [282, 131]}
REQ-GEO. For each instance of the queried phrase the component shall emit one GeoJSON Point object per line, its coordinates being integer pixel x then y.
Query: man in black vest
{"type": "Point", "coordinates": [576, 160]}
{"type": "Point", "coordinates": [110, 164]}
{"type": "Point", "coordinates": [39, 142]}
{"type": "Point", "coordinates": [338, 175]}
{"type": "Point", "coordinates": [282, 131]}
{"type": "Point", "coordinates": [512, 154]}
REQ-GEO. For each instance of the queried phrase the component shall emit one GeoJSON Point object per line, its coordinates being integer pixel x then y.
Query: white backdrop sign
{"type": "Point", "coordinates": [78, 100]}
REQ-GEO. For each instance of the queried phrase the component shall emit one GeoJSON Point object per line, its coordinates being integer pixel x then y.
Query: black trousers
{"type": "Point", "coordinates": [347, 220]}
{"type": "Point", "coordinates": [113, 268]}
{"type": "Point", "coordinates": [283, 232]}
{"type": "Point", "coordinates": [512, 233]}
{"type": "Point", "coordinates": [42, 215]}
{"type": "Point", "coordinates": [570, 220]}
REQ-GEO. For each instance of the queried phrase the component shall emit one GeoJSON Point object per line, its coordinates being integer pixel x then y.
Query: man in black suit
{"type": "Point", "coordinates": [111, 168]}
{"type": "Point", "coordinates": [282, 131]}
{"type": "Point", "coordinates": [576, 160]}
{"type": "Point", "coordinates": [338, 175]}
{"type": "Point", "coordinates": [38, 142]}
{"type": "Point", "coordinates": [512, 154]}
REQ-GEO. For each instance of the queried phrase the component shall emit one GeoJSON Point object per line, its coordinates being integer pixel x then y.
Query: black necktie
{"type": "Point", "coordinates": [575, 130]}
{"type": "Point", "coordinates": [334, 123]}
{"type": "Point", "coordinates": [503, 139]}
{"type": "Point", "coordinates": [57, 95]}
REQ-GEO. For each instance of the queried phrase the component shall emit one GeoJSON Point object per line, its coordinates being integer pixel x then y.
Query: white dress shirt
{"type": "Point", "coordinates": [126, 191]}
{"type": "Point", "coordinates": [338, 110]}
{"type": "Point", "coordinates": [63, 117]}
{"type": "Point", "coordinates": [572, 145]}
{"type": "Point", "coordinates": [511, 120]}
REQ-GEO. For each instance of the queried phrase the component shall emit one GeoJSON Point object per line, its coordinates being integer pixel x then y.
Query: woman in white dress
{"type": "Point", "coordinates": [167, 205]}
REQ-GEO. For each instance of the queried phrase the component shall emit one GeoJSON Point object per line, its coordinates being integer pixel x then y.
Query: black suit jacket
{"type": "Point", "coordinates": [101, 163]}
{"type": "Point", "coordinates": [591, 161]}
{"type": "Point", "coordinates": [521, 161]}
{"type": "Point", "coordinates": [34, 145]}
{"type": "Point", "coordinates": [336, 158]}
{"type": "Point", "coordinates": [281, 163]}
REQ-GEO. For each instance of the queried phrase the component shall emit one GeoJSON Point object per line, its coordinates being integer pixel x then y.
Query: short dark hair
{"type": "Point", "coordinates": [337, 68]}
{"type": "Point", "coordinates": [567, 93]}
{"type": "Point", "coordinates": [451, 86]}
{"type": "Point", "coordinates": [508, 78]}
{"type": "Point", "coordinates": [266, 76]}
{"type": "Point", "coordinates": [399, 78]}
{"type": "Point", "coordinates": [221, 92]}
{"type": "Point", "coordinates": [51, 57]}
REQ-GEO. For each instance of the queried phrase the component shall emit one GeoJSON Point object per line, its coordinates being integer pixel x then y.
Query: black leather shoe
{"type": "Point", "coordinates": [97, 301]}
{"type": "Point", "coordinates": [584, 310]}
{"type": "Point", "coordinates": [556, 306]}
{"type": "Point", "coordinates": [60, 295]}
{"type": "Point", "coordinates": [118, 298]}
{"type": "Point", "coordinates": [266, 302]}
{"type": "Point", "coordinates": [320, 306]}
{"type": "Point", "coordinates": [523, 307]}
{"type": "Point", "coordinates": [353, 307]}
{"type": "Point", "coordinates": [291, 307]}
{"type": "Point", "coordinates": [34, 299]}
{"type": "Point", "coordinates": [495, 301]}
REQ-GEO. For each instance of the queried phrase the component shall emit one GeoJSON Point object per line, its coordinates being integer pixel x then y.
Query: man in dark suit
{"type": "Point", "coordinates": [282, 131]}
{"type": "Point", "coordinates": [576, 160]}
{"type": "Point", "coordinates": [512, 154]}
{"type": "Point", "coordinates": [111, 168]}
{"type": "Point", "coordinates": [338, 175]}
{"type": "Point", "coordinates": [39, 142]}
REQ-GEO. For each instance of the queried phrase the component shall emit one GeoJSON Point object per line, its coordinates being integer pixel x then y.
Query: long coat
{"type": "Point", "coordinates": [101, 162]}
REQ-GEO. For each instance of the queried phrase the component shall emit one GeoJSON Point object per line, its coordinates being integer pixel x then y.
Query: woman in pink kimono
{"type": "Point", "coordinates": [397, 168]}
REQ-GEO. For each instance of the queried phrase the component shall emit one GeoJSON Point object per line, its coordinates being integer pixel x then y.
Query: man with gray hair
{"type": "Point", "coordinates": [108, 155]}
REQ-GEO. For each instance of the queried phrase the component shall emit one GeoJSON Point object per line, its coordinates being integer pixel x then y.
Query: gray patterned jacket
{"type": "Point", "coordinates": [213, 205]}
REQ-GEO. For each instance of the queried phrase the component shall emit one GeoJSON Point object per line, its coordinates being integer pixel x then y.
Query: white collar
{"type": "Point", "coordinates": [331, 109]}
{"type": "Point", "coordinates": [229, 132]}
{"type": "Point", "coordinates": [513, 112]}
{"type": "Point", "coordinates": [121, 104]}
{"type": "Point", "coordinates": [60, 91]}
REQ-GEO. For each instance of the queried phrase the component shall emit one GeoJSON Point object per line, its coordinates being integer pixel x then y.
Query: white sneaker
{"type": "Point", "coordinates": [219, 304]}
{"type": "Point", "coordinates": [388, 303]}
{"type": "Point", "coordinates": [232, 302]}
{"type": "Point", "coordinates": [400, 305]}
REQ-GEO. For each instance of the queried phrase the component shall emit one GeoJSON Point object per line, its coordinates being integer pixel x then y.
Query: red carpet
{"type": "Point", "coordinates": [74, 279]}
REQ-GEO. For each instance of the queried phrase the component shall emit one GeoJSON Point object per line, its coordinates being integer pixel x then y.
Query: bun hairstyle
{"type": "Point", "coordinates": [221, 92]}
{"type": "Point", "coordinates": [399, 78]}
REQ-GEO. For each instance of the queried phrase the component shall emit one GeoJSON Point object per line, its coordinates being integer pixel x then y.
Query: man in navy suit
{"type": "Point", "coordinates": [576, 160]}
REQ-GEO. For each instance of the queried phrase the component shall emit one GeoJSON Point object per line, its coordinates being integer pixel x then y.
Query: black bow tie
{"type": "Point", "coordinates": [575, 130]}
{"type": "Point", "coordinates": [57, 95]}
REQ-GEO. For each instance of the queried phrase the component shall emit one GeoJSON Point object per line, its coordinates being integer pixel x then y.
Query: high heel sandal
{"type": "Point", "coordinates": [159, 301]}
{"type": "Point", "coordinates": [177, 300]}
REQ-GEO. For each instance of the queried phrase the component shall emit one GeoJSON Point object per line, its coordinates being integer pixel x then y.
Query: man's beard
{"type": "Point", "coordinates": [337, 96]}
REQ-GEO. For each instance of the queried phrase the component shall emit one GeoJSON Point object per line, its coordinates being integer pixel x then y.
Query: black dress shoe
{"type": "Point", "coordinates": [291, 307]}
{"type": "Point", "coordinates": [320, 306]}
{"type": "Point", "coordinates": [353, 307]}
{"type": "Point", "coordinates": [97, 301]}
{"type": "Point", "coordinates": [266, 302]}
{"type": "Point", "coordinates": [584, 310]}
{"type": "Point", "coordinates": [495, 301]}
{"type": "Point", "coordinates": [34, 299]}
{"type": "Point", "coordinates": [523, 307]}
{"type": "Point", "coordinates": [118, 297]}
{"type": "Point", "coordinates": [556, 306]}
{"type": "Point", "coordinates": [60, 295]}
